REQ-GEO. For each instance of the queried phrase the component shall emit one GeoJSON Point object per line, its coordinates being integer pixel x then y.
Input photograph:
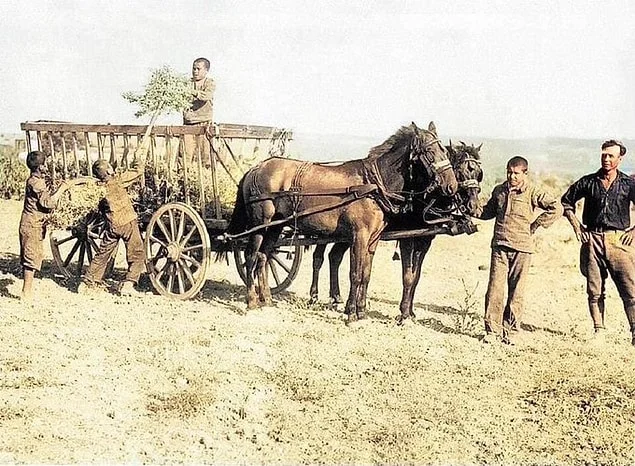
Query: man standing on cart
{"type": "Point", "coordinates": [200, 112]}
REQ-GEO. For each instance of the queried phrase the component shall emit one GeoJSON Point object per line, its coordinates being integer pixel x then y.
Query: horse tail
{"type": "Point", "coordinates": [238, 221]}
{"type": "Point", "coordinates": [237, 224]}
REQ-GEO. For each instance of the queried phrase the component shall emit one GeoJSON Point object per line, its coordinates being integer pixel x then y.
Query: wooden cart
{"type": "Point", "coordinates": [179, 236]}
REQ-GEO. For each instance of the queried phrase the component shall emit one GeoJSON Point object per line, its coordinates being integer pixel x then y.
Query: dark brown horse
{"type": "Point", "coordinates": [348, 202]}
{"type": "Point", "coordinates": [466, 163]}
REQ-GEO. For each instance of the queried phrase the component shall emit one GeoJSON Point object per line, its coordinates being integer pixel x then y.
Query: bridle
{"type": "Point", "coordinates": [434, 168]}
{"type": "Point", "coordinates": [441, 214]}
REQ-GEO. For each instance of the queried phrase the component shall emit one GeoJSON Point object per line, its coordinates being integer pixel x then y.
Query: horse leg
{"type": "Point", "coordinates": [362, 253]}
{"type": "Point", "coordinates": [267, 247]}
{"type": "Point", "coordinates": [335, 260]}
{"type": "Point", "coordinates": [413, 251]}
{"type": "Point", "coordinates": [251, 262]}
{"type": "Point", "coordinates": [367, 267]}
{"type": "Point", "coordinates": [318, 260]}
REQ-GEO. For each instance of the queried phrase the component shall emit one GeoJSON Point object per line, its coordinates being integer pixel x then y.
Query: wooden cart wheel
{"type": "Point", "coordinates": [283, 266]}
{"type": "Point", "coordinates": [74, 249]}
{"type": "Point", "coordinates": [177, 249]}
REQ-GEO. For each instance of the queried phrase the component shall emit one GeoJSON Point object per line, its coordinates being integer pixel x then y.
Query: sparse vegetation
{"type": "Point", "coordinates": [468, 320]}
{"type": "Point", "coordinates": [13, 175]}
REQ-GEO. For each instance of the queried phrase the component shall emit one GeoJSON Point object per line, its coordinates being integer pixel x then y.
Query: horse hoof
{"type": "Point", "coordinates": [357, 322]}
{"type": "Point", "coordinates": [313, 300]}
{"type": "Point", "coordinates": [402, 321]}
{"type": "Point", "coordinates": [337, 300]}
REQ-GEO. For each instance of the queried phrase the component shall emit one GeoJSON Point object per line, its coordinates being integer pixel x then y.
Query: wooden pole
{"type": "Point", "coordinates": [64, 164]}
{"type": "Point", "coordinates": [87, 144]}
{"type": "Point", "coordinates": [75, 155]}
{"type": "Point", "coordinates": [113, 150]}
{"type": "Point", "coordinates": [53, 169]}
{"type": "Point", "coordinates": [100, 147]}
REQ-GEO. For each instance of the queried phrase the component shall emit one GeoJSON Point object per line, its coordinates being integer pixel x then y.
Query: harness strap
{"type": "Point", "coordinates": [383, 196]}
{"type": "Point", "coordinates": [363, 191]}
{"type": "Point", "coordinates": [469, 184]}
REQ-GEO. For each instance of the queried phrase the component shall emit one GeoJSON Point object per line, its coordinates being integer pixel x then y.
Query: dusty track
{"type": "Point", "coordinates": [144, 379]}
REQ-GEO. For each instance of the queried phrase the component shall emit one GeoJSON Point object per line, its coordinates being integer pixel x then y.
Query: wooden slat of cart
{"type": "Point", "coordinates": [225, 130]}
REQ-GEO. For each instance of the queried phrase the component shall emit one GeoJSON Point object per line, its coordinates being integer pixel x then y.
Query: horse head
{"type": "Point", "coordinates": [466, 161]}
{"type": "Point", "coordinates": [427, 152]}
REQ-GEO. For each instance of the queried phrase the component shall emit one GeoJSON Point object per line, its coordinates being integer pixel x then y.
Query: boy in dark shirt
{"type": "Point", "coordinates": [38, 204]}
{"type": "Point", "coordinates": [121, 223]}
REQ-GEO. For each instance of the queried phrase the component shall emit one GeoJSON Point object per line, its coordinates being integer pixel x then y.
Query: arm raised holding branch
{"type": "Point", "coordinates": [165, 92]}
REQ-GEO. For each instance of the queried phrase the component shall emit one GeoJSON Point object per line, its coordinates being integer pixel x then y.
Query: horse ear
{"type": "Point", "coordinates": [463, 144]}
{"type": "Point", "coordinates": [478, 149]}
{"type": "Point", "coordinates": [432, 128]}
{"type": "Point", "coordinates": [450, 142]}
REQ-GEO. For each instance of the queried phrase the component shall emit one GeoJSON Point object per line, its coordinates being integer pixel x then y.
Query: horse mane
{"type": "Point", "coordinates": [405, 133]}
{"type": "Point", "coordinates": [458, 153]}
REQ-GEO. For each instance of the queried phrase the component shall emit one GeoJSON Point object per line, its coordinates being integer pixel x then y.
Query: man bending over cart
{"type": "Point", "coordinates": [121, 223]}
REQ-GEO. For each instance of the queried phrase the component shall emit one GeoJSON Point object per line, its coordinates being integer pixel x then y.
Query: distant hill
{"type": "Point", "coordinates": [563, 157]}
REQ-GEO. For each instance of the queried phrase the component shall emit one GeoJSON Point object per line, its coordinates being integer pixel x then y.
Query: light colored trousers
{"type": "Point", "coordinates": [507, 273]}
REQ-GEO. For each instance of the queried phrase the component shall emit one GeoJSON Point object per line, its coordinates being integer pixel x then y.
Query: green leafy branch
{"type": "Point", "coordinates": [165, 92]}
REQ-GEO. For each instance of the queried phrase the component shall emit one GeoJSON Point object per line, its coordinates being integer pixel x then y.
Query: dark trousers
{"type": "Point", "coordinates": [135, 254]}
{"type": "Point", "coordinates": [508, 272]}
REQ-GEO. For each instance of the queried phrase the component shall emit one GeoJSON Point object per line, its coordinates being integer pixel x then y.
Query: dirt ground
{"type": "Point", "coordinates": [108, 379]}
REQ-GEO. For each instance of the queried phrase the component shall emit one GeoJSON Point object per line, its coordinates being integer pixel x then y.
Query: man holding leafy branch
{"type": "Point", "coordinates": [200, 111]}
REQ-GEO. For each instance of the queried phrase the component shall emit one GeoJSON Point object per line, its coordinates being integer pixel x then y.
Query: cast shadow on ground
{"type": "Point", "coordinates": [10, 265]}
{"type": "Point", "coordinates": [437, 325]}
{"type": "Point", "coordinates": [4, 288]}
{"type": "Point", "coordinates": [224, 293]}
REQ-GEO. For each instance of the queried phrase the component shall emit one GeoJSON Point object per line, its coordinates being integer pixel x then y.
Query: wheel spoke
{"type": "Point", "coordinates": [274, 272]}
{"type": "Point", "coordinates": [93, 244]}
{"type": "Point", "coordinates": [80, 260]}
{"type": "Point", "coordinates": [279, 261]}
{"type": "Point", "coordinates": [89, 252]}
{"type": "Point", "coordinates": [187, 237]}
{"type": "Point", "coordinates": [179, 277]}
{"type": "Point", "coordinates": [163, 229]}
{"type": "Point", "coordinates": [192, 248]}
{"type": "Point", "coordinates": [191, 260]}
{"type": "Point", "coordinates": [172, 223]}
{"type": "Point", "coordinates": [171, 277]}
{"type": "Point", "coordinates": [158, 241]}
{"type": "Point", "coordinates": [162, 271]}
{"type": "Point", "coordinates": [187, 271]}
{"type": "Point", "coordinates": [181, 225]}
{"type": "Point", "coordinates": [160, 255]}
{"type": "Point", "coordinates": [74, 249]}
{"type": "Point", "coordinates": [65, 240]}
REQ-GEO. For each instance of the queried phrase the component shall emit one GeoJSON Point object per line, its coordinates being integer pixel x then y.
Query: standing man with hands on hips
{"type": "Point", "coordinates": [605, 233]}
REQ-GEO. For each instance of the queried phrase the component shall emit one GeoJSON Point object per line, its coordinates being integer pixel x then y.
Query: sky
{"type": "Point", "coordinates": [496, 69]}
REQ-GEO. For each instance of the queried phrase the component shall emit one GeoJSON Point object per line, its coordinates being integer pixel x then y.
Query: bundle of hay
{"type": "Point", "coordinates": [75, 204]}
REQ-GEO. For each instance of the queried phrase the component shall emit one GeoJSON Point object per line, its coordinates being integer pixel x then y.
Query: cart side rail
{"type": "Point", "coordinates": [174, 152]}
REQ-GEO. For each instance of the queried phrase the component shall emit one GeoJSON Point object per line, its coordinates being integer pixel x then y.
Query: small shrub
{"type": "Point", "coordinates": [13, 175]}
{"type": "Point", "coordinates": [466, 319]}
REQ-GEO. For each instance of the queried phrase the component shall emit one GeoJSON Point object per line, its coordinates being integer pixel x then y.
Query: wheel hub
{"type": "Point", "coordinates": [174, 251]}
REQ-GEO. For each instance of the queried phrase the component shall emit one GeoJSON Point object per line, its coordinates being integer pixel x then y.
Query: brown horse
{"type": "Point", "coordinates": [466, 163]}
{"type": "Point", "coordinates": [348, 202]}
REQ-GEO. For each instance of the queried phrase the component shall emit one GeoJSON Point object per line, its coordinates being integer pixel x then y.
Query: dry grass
{"type": "Point", "coordinates": [108, 379]}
